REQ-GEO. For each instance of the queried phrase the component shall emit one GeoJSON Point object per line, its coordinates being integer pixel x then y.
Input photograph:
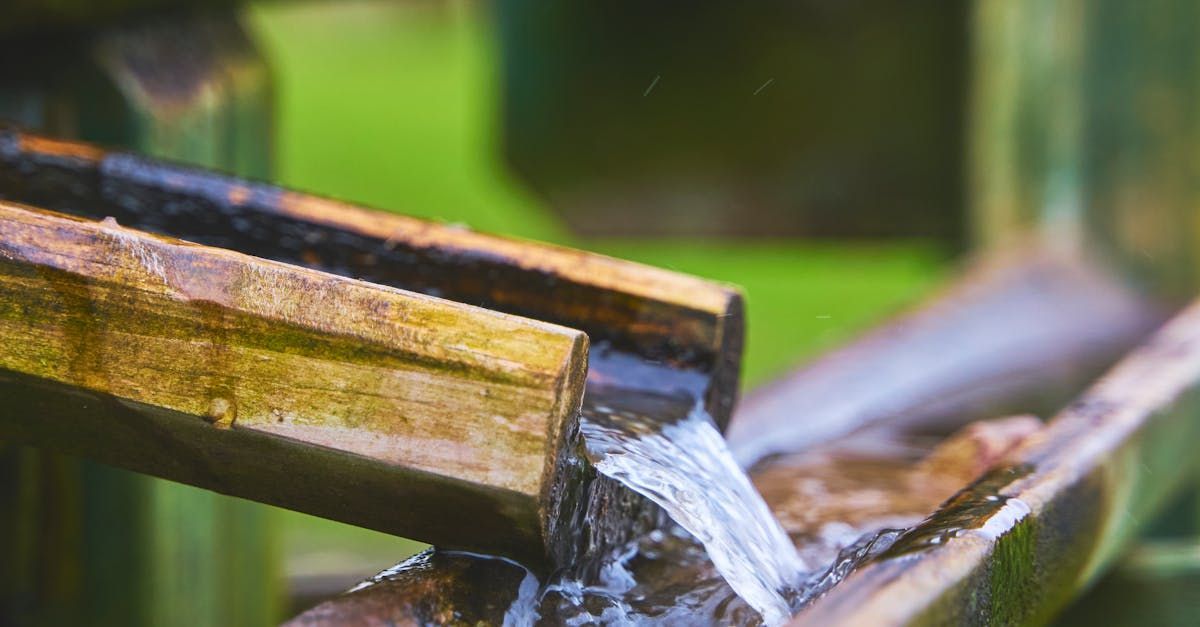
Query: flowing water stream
{"type": "Point", "coordinates": [727, 556]}
{"type": "Point", "coordinates": [723, 559]}
{"type": "Point", "coordinates": [686, 468]}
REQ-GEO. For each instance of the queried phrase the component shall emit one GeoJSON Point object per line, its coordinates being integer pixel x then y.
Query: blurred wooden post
{"type": "Point", "coordinates": [93, 544]}
{"type": "Point", "coordinates": [1084, 127]}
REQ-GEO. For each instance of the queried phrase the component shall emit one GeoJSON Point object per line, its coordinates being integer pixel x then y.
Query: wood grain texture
{"type": "Point", "coordinates": [1013, 332]}
{"type": "Point", "coordinates": [402, 379]}
{"type": "Point", "coordinates": [691, 327]}
{"type": "Point", "coordinates": [847, 485]}
{"type": "Point", "coordinates": [649, 329]}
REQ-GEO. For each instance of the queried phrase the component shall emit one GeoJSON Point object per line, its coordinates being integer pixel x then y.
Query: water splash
{"type": "Point", "coordinates": [686, 468]}
{"type": "Point", "coordinates": [523, 610]}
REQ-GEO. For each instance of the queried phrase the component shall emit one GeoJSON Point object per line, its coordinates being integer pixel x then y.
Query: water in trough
{"type": "Point", "coordinates": [728, 555]}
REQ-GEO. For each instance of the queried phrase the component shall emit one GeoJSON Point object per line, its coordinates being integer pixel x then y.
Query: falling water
{"type": "Point", "coordinates": [725, 560]}
{"type": "Point", "coordinates": [686, 468]}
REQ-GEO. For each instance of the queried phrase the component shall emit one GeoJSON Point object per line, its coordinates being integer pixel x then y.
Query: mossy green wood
{"type": "Point", "coordinates": [211, 558]}
{"type": "Point", "coordinates": [466, 410]}
{"type": "Point", "coordinates": [92, 543]}
{"type": "Point", "coordinates": [1086, 485]}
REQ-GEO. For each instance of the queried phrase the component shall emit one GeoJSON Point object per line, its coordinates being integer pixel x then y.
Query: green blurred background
{"type": "Point", "coordinates": [399, 106]}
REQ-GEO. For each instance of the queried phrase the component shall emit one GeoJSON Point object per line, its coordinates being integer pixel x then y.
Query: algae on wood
{"type": "Point", "coordinates": [1073, 496]}
{"type": "Point", "coordinates": [476, 402]}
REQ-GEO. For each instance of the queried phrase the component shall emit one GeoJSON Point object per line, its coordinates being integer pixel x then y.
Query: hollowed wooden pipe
{"type": "Point", "coordinates": [391, 409]}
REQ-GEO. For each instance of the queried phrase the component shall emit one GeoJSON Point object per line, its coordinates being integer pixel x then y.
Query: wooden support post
{"type": "Point", "coordinates": [1065, 141]}
{"type": "Point", "coordinates": [1085, 128]}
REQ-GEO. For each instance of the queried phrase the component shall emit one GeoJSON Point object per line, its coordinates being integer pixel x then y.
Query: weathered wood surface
{"type": "Point", "coordinates": [425, 390]}
{"type": "Point", "coordinates": [1016, 326]}
{"type": "Point", "coordinates": [1017, 545]}
{"type": "Point", "coordinates": [649, 328]}
{"type": "Point", "coordinates": [692, 328]}
{"type": "Point", "coordinates": [435, 587]}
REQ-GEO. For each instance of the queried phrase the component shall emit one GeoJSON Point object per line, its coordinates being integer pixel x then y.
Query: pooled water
{"type": "Point", "coordinates": [686, 468]}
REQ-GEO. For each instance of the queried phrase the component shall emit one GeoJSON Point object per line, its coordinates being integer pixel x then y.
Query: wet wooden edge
{"type": "Point", "coordinates": [428, 386]}
{"type": "Point", "coordinates": [1098, 471]}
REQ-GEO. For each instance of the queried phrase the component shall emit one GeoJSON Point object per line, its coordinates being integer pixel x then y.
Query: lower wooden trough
{"type": "Point", "coordinates": [1017, 545]}
{"type": "Point", "coordinates": [1074, 320]}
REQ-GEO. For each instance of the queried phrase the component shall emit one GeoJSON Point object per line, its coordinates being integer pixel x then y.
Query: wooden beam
{"type": "Point", "coordinates": [866, 488]}
{"type": "Point", "coordinates": [651, 329]}
{"type": "Point", "coordinates": [683, 331]}
{"type": "Point", "coordinates": [393, 410]}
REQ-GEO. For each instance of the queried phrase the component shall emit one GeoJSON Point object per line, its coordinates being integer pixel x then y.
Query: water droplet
{"type": "Point", "coordinates": [222, 412]}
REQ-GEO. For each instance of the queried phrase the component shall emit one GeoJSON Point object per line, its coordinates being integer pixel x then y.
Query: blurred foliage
{"type": "Point", "coordinates": [802, 118]}
{"type": "Point", "coordinates": [396, 106]}
{"type": "Point", "coordinates": [392, 105]}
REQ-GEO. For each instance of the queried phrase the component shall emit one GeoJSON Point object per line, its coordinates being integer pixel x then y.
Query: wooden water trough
{"type": "Point", "coordinates": [1017, 545]}
{"type": "Point", "coordinates": [423, 380]}
{"type": "Point", "coordinates": [1005, 337]}
{"type": "Point", "coordinates": [414, 378]}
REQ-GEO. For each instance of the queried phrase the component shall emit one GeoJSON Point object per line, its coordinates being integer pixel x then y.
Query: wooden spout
{"type": "Point", "coordinates": [389, 409]}
{"type": "Point", "coordinates": [691, 329]}
{"type": "Point", "coordinates": [382, 408]}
